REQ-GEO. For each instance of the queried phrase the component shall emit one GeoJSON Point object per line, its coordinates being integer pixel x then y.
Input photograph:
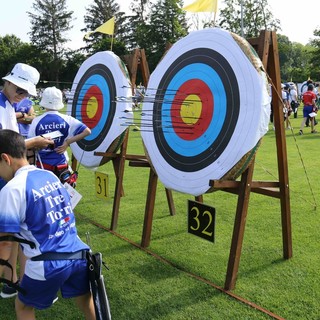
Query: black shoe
{"type": "Point", "coordinates": [8, 292]}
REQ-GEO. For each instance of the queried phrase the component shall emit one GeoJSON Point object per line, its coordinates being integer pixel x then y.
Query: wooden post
{"type": "Point", "coordinates": [267, 48]}
{"type": "Point", "coordinates": [119, 179]}
{"type": "Point", "coordinates": [239, 227]}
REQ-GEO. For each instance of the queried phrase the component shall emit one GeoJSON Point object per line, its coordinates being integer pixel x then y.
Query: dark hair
{"type": "Point", "coordinates": [310, 87]}
{"type": "Point", "coordinates": [12, 143]}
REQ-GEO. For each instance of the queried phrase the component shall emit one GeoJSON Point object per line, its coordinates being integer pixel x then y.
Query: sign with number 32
{"type": "Point", "coordinates": [201, 220]}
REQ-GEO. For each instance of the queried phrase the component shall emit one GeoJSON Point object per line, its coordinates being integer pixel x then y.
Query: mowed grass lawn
{"type": "Point", "coordinates": [142, 286]}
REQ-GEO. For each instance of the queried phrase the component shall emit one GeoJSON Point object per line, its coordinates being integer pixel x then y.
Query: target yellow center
{"type": "Point", "coordinates": [92, 107]}
{"type": "Point", "coordinates": [191, 109]}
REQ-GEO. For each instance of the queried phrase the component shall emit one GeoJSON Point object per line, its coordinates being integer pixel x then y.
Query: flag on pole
{"type": "Point", "coordinates": [106, 28]}
{"type": "Point", "coordinates": [202, 6]}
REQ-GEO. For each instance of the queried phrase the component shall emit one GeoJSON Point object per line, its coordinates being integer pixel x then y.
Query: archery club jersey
{"type": "Point", "coordinates": [35, 206]}
{"type": "Point", "coordinates": [55, 121]}
{"type": "Point", "coordinates": [8, 118]}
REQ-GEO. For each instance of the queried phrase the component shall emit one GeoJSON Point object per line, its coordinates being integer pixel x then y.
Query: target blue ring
{"type": "Point", "coordinates": [211, 78]}
{"type": "Point", "coordinates": [215, 147]}
{"type": "Point", "coordinates": [100, 76]}
{"type": "Point", "coordinates": [100, 82]}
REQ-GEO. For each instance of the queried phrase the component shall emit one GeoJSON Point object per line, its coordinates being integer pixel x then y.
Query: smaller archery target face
{"type": "Point", "coordinates": [98, 83]}
{"type": "Point", "coordinates": [205, 112]}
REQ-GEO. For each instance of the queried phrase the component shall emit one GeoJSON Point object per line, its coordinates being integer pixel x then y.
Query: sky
{"type": "Point", "coordinates": [295, 25]}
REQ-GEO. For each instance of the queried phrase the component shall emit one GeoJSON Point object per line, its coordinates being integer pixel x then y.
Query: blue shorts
{"type": "Point", "coordinates": [307, 110]}
{"type": "Point", "coordinates": [70, 276]}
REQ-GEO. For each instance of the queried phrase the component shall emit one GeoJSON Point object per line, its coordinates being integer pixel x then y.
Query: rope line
{"type": "Point", "coordinates": [298, 150]}
{"type": "Point", "coordinates": [192, 275]}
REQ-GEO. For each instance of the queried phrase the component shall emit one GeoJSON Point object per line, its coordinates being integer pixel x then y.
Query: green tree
{"type": "Point", "coordinates": [315, 54]}
{"type": "Point", "coordinates": [295, 60]}
{"type": "Point", "coordinates": [74, 59]}
{"type": "Point", "coordinates": [167, 25]}
{"type": "Point", "coordinates": [9, 46]}
{"type": "Point", "coordinates": [50, 20]}
{"type": "Point", "coordinates": [98, 13]}
{"type": "Point", "coordinates": [256, 16]}
{"type": "Point", "coordinates": [13, 50]}
{"type": "Point", "coordinates": [285, 57]}
{"type": "Point", "coordinates": [134, 25]}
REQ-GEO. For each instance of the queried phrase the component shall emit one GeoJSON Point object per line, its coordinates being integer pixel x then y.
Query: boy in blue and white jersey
{"type": "Point", "coordinates": [51, 120]}
{"type": "Point", "coordinates": [18, 84]}
{"type": "Point", "coordinates": [35, 206]}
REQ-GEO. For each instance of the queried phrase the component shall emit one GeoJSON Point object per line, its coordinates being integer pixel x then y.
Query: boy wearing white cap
{"type": "Point", "coordinates": [18, 84]}
{"type": "Point", "coordinates": [71, 130]}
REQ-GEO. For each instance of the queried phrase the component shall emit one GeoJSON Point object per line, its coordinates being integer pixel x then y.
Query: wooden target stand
{"type": "Point", "coordinates": [267, 48]}
{"type": "Point", "coordinates": [135, 61]}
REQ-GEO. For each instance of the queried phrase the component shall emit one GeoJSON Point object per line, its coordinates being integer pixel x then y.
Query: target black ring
{"type": "Point", "coordinates": [105, 73]}
{"type": "Point", "coordinates": [229, 80]}
{"type": "Point", "coordinates": [99, 82]}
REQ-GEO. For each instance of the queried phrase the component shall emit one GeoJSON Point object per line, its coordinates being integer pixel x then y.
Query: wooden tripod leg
{"type": "Point", "coordinates": [148, 216]}
{"type": "Point", "coordinates": [119, 180]}
{"type": "Point", "coordinates": [239, 226]}
{"type": "Point", "coordinates": [172, 208]}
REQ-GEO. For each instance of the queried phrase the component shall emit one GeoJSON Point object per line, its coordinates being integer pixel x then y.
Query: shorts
{"type": "Point", "coordinates": [307, 110]}
{"type": "Point", "coordinates": [70, 276]}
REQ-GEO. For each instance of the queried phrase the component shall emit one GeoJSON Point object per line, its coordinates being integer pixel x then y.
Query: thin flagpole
{"type": "Point", "coordinates": [111, 42]}
{"type": "Point", "coordinates": [242, 34]}
{"type": "Point", "coordinates": [214, 19]}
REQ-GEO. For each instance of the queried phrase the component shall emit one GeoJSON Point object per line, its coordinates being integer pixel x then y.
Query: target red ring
{"type": "Point", "coordinates": [93, 99]}
{"type": "Point", "coordinates": [188, 113]}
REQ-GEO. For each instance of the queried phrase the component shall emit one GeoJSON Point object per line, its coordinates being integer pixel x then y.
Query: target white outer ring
{"type": "Point", "coordinates": [119, 124]}
{"type": "Point", "coordinates": [252, 123]}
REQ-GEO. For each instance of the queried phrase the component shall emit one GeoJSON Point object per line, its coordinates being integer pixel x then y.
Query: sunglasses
{"type": "Point", "coordinates": [21, 91]}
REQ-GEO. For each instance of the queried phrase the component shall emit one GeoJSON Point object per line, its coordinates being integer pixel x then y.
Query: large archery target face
{"type": "Point", "coordinates": [207, 111]}
{"type": "Point", "coordinates": [98, 83]}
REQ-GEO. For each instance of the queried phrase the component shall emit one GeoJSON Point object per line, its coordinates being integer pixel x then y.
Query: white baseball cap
{"type": "Point", "coordinates": [52, 99]}
{"type": "Point", "coordinates": [25, 77]}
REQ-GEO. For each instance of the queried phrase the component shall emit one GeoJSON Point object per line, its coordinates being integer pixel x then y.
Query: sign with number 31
{"type": "Point", "coordinates": [102, 185]}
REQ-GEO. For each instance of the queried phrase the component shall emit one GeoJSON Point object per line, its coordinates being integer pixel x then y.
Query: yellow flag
{"type": "Point", "coordinates": [107, 28]}
{"type": "Point", "coordinates": [202, 6]}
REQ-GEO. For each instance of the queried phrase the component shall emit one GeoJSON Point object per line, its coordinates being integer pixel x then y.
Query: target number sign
{"type": "Point", "coordinates": [201, 220]}
{"type": "Point", "coordinates": [102, 185]}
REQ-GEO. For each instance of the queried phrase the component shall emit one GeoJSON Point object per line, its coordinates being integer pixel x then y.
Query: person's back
{"type": "Point", "coordinates": [71, 129]}
{"type": "Point", "coordinates": [48, 122]}
{"type": "Point", "coordinates": [36, 207]}
{"type": "Point", "coordinates": [309, 97]}
{"type": "Point", "coordinates": [309, 108]}
{"type": "Point", "coordinates": [293, 98]}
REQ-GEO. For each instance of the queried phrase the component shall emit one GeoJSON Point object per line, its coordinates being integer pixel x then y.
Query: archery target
{"type": "Point", "coordinates": [101, 79]}
{"type": "Point", "coordinates": [208, 106]}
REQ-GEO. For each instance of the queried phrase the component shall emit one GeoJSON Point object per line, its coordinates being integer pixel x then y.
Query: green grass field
{"type": "Point", "coordinates": [166, 284]}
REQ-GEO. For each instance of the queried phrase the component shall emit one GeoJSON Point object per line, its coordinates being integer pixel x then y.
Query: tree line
{"type": "Point", "coordinates": [151, 25]}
